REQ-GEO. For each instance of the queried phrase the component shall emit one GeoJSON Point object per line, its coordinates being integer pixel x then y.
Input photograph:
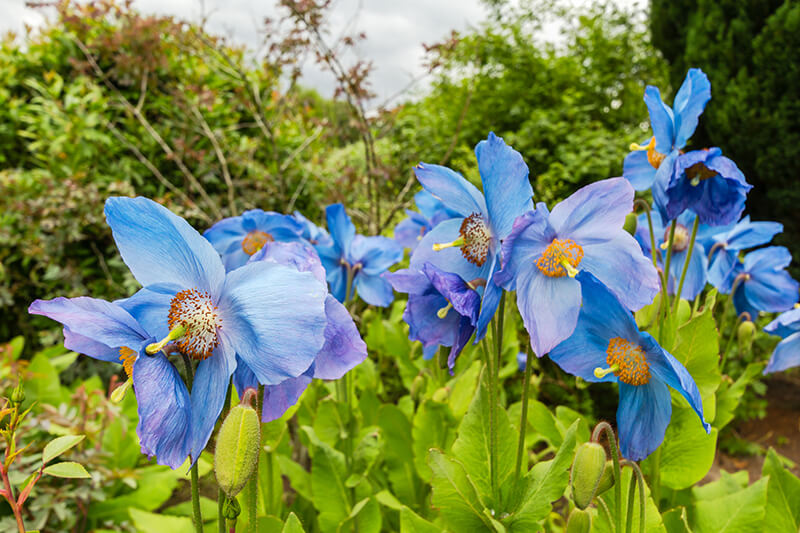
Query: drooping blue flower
{"type": "Point", "coordinates": [270, 315]}
{"type": "Point", "coordinates": [469, 245]}
{"type": "Point", "coordinates": [442, 308]}
{"type": "Point", "coordinates": [343, 349]}
{"type": "Point", "coordinates": [108, 332]}
{"type": "Point", "coordinates": [724, 252]}
{"type": "Point", "coordinates": [607, 346]}
{"type": "Point", "coordinates": [709, 184]}
{"type": "Point", "coordinates": [546, 250]}
{"type": "Point", "coordinates": [787, 352]}
{"type": "Point", "coordinates": [312, 233]}
{"type": "Point", "coordinates": [363, 258]}
{"type": "Point", "coordinates": [651, 165]}
{"type": "Point", "coordinates": [761, 283]}
{"type": "Point", "coordinates": [411, 230]}
{"type": "Point", "coordinates": [238, 238]}
{"type": "Point", "coordinates": [697, 274]}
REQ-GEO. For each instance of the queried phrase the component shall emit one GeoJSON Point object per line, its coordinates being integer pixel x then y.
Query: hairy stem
{"type": "Point", "coordinates": [523, 423]}
{"type": "Point", "coordinates": [686, 263]}
{"type": "Point", "coordinates": [612, 445]}
{"type": "Point", "coordinates": [197, 516]}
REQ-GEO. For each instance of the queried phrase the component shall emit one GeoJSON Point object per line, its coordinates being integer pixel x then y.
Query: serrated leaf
{"type": "Point", "coordinates": [455, 494]}
{"type": "Point", "coordinates": [410, 522]}
{"type": "Point", "coordinates": [67, 469]}
{"type": "Point", "coordinates": [783, 497]}
{"type": "Point", "coordinates": [741, 512]}
{"type": "Point", "coordinates": [59, 445]}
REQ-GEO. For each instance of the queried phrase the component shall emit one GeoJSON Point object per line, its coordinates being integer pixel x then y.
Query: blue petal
{"type": "Point", "coordinates": [425, 325]}
{"type": "Point", "coordinates": [529, 238]}
{"type": "Point", "coordinates": [273, 317]}
{"type": "Point", "coordinates": [373, 289]}
{"type": "Point", "coordinates": [771, 291]}
{"type": "Point", "coordinates": [150, 307]}
{"type": "Point", "coordinates": [278, 398]}
{"type": "Point", "coordinates": [375, 254]}
{"type": "Point", "coordinates": [490, 300]}
{"type": "Point", "coordinates": [243, 377]}
{"type": "Point", "coordinates": [340, 226]}
{"type": "Point", "coordinates": [465, 300]}
{"type": "Point", "coordinates": [165, 413]}
{"type": "Point", "coordinates": [408, 232]}
{"type": "Point", "coordinates": [343, 349]}
{"type": "Point", "coordinates": [161, 247]}
{"type": "Point", "coordinates": [661, 183]}
{"type": "Point", "coordinates": [208, 393]}
{"type": "Point", "coordinates": [549, 307]}
{"type": "Point", "coordinates": [750, 234]}
{"type": "Point", "coordinates": [767, 259]}
{"type": "Point", "coordinates": [786, 354]}
{"type": "Point", "coordinates": [427, 204]}
{"type": "Point", "coordinates": [595, 212]}
{"type": "Point", "coordinates": [80, 344]}
{"type": "Point", "coordinates": [97, 320]}
{"type": "Point", "coordinates": [660, 120]}
{"type": "Point", "coordinates": [505, 183]}
{"type": "Point", "coordinates": [465, 330]}
{"type": "Point", "coordinates": [669, 370]}
{"type": "Point", "coordinates": [408, 281]}
{"type": "Point", "coordinates": [642, 418]}
{"type": "Point", "coordinates": [638, 170]}
{"type": "Point", "coordinates": [297, 255]}
{"type": "Point", "coordinates": [696, 276]}
{"type": "Point", "coordinates": [723, 270]}
{"type": "Point", "coordinates": [785, 324]}
{"type": "Point", "coordinates": [691, 100]}
{"type": "Point", "coordinates": [456, 193]}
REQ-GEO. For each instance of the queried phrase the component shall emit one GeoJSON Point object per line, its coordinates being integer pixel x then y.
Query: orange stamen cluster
{"type": "Point", "coordinates": [255, 240]}
{"type": "Point", "coordinates": [194, 310]}
{"type": "Point", "coordinates": [680, 240]}
{"type": "Point", "coordinates": [477, 238]}
{"type": "Point", "coordinates": [551, 263]}
{"type": "Point", "coordinates": [128, 357]}
{"type": "Point", "coordinates": [631, 360]}
{"type": "Point", "coordinates": [699, 172]}
{"type": "Point", "coordinates": [653, 157]}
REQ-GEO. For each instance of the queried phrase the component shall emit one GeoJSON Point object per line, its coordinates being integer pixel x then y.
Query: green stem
{"type": "Point", "coordinates": [498, 338]}
{"type": "Point", "coordinates": [664, 312]}
{"type": "Point", "coordinates": [646, 209]}
{"type": "Point", "coordinates": [523, 423]}
{"type": "Point", "coordinates": [492, 423]}
{"type": "Point", "coordinates": [349, 287]}
{"type": "Point", "coordinates": [252, 492]}
{"type": "Point", "coordinates": [220, 493]}
{"type": "Point", "coordinates": [655, 478]}
{"type": "Point", "coordinates": [729, 342]}
{"type": "Point", "coordinates": [686, 263]}
{"type": "Point", "coordinates": [197, 516]}
{"type": "Point", "coordinates": [612, 445]}
{"type": "Point", "coordinates": [642, 507]}
{"type": "Point", "coordinates": [725, 311]}
{"type": "Point", "coordinates": [631, 499]}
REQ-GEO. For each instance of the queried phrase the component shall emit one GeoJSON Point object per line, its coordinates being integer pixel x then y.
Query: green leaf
{"type": "Point", "coordinates": [455, 494]}
{"type": "Point", "coordinates": [328, 474]}
{"type": "Point", "coordinates": [545, 483]}
{"type": "Point", "coordinates": [387, 499]}
{"type": "Point", "coordinates": [783, 497]}
{"type": "Point", "coordinates": [741, 512]}
{"type": "Point", "coordinates": [730, 393]}
{"type": "Point", "coordinates": [675, 520]}
{"type": "Point", "coordinates": [154, 485]}
{"type": "Point", "coordinates": [652, 519]}
{"type": "Point", "coordinates": [687, 452]}
{"type": "Point", "coordinates": [299, 478]}
{"type": "Point", "coordinates": [15, 346]}
{"type": "Point", "coordinates": [399, 454]}
{"type": "Point", "coordinates": [726, 484]}
{"type": "Point", "coordinates": [434, 427]}
{"type": "Point", "coordinates": [57, 446]}
{"type": "Point", "coordinates": [463, 389]}
{"type": "Point", "coordinates": [292, 525]}
{"type": "Point", "coordinates": [68, 469]}
{"type": "Point", "coordinates": [149, 522]}
{"type": "Point", "coordinates": [365, 517]}
{"type": "Point", "coordinates": [208, 508]}
{"type": "Point", "coordinates": [44, 386]}
{"type": "Point", "coordinates": [410, 522]}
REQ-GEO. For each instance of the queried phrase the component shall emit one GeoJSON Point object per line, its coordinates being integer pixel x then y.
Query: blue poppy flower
{"type": "Point", "coordinates": [108, 332]}
{"type": "Point", "coordinates": [760, 282]}
{"type": "Point", "coordinates": [697, 274]}
{"type": "Point", "coordinates": [787, 352]}
{"type": "Point", "coordinates": [546, 250]}
{"type": "Point", "coordinates": [651, 165]}
{"type": "Point", "coordinates": [238, 238]}
{"type": "Point", "coordinates": [312, 233]}
{"type": "Point", "coordinates": [187, 297]}
{"type": "Point", "coordinates": [724, 251]}
{"type": "Point", "coordinates": [469, 245]}
{"type": "Point", "coordinates": [442, 308]}
{"type": "Point", "coordinates": [365, 258]}
{"type": "Point", "coordinates": [343, 349]}
{"type": "Point", "coordinates": [607, 346]}
{"type": "Point", "coordinates": [431, 212]}
{"type": "Point", "coordinates": [709, 184]}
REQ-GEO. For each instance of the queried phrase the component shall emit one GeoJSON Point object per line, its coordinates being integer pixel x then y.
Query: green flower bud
{"type": "Point", "coordinates": [231, 509]}
{"type": "Point", "coordinates": [238, 444]}
{"type": "Point", "coordinates": [607, 479]}
{"type": "Point", "coordinates": [587, 469]}
{"type": "Point", "coordinates": [579, 521]}
{"type": "Point", "coordinates": [630, 223]}
{"type": "Point", "coordinates": [441, 394]}
{"type": "Point", "coordinates": [417, 387]}
{"type": "Point", "coordinates": [18, 394]}
{"type": "Point", "coordinates": [745, 334]}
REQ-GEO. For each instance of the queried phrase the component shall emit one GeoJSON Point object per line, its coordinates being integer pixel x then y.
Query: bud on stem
{"type": "Point", "coordinates": [238, 443]}
{"type": "Point", "coordinates": [587, 470]}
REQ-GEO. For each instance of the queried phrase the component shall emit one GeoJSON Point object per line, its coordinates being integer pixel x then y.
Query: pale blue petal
{"type": "Point", "coordinates": [595, 212]}
{"type": "Point", "coordinates": [449, 187]}
{"type": "Point", "coordinates": [278, 398]}
{"type": "Point", "coordinates": [638, 170]}
{"type": "Point", "coordinates": [343, 348]}
{"type": "Point", "coordinates": [373, 289]}
{"type": "Point", "coordinates": [340, 227]}
{"type": "Point", "coordinates": [660, 120]}
{"type": "Point", "coordinates": [642, 418]}
{"type": "Point", "coordinates": [691, 100]}
{"type": "Point", "coordinates": [208, 393]}
{"type": "Point", "coordinates": [786, 354]}
{"type": "Point", "coordinates": [449, 259]}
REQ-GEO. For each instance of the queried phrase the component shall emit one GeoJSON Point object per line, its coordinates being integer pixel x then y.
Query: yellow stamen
{"type": "Point", "coordinates": [600, 373]}
{"type": "Point", "coordinates": [438, 247]}
{"type": "Point", "coordinates": [128, 357]}
{"type": "Point", "coordinates": [441, 313]}
{"type": "Point", "coordinates": [571, 270]}
{"type": "Point", "coordinates": [176, 333]}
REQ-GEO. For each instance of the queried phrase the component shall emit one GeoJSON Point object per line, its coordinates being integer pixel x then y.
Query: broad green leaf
{"type": "Point", "coordinates": [364, 518]}
{"type": "Point", "coordinates": [328, 474]}
{"type": "Point", "coordinates": [652, 518]}
{"type": "Point", "coordinates": [545, 483]}
{"type": "Point", "coordinates": [293, 524]}
{"type": "Point", "coordinates": [44, 385]}
{"type": "Point", "coordinates": [434, 427]}
{"type": "Point", "coordinates": [399, 454]}
{"type": "Point", "coordinates": [783, 497]}
{"type": "Point", "coordinates": [728, 483]}
{"type": "Point", "coordinates": [730, 393]}
{"type": "Point", "coordinates": [455, 495]}
{"type": "Point", "coordinates": [149, 522]}
{"type": "Point", "coordinates": [61, 362]}
{"type": "Point", "coordinates": [57, 446]}
{"type": "Point", "coordinates": [328, 424]}
{"type": "Point", "coordinates": [687, 452]}
{"type": "Point", "coordinates": [741, 512]}
{"type": "Point", "coordinates": [387, 499]}
{"type": "Point", "coordinates": [410, 522]}
{"type": "Point", "coordinates": [463, 389]}
{"type": "Point", "coordinates": [299, 478]}
{"type": "Point", "coordinates": [208, 508]}
{"type": "Point", "coordinates": [68, 469]}
{"type": "Point", "coordinates": [15, 347]}
{"type": "Point", "coordinates": [676, 521]}
{"type": "Point", "coordinates": [154, 485]}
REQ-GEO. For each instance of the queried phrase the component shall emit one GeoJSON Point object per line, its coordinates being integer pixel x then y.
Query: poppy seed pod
{"type": "Point", "coordinates": [237, 449]}
{"type": "Point", "coordinates": [745, 334]}
{"type": "Point", "coordinates": [587, 470]}
{"type": "Point", "coordinates": [579, 521]}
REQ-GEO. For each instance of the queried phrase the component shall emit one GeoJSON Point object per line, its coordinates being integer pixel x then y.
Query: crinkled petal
{"type": "Point", "coordinates": [751, 234]}
{"type": "Point", "coordinates": [786, 354]}
{"type": "Point", "coordinates": [165, 410]}
{"type": "Point", "coordinates": [340, 226]}
{"type": "Point", "coordinates": [408, 281]}
{"type": "Point", "coordinates": [465, 301]}
{"type": "Point", "coordinates": [529, 238]}
{"type": "Point", "coordinates": [209, 389]}
{"type": "Point", "coordinates": [375, 254]}
{"type": "Point", "coordinates": [273, 317]}
{"type": "Point", "coordinates": [465, 330]}
{"type": "Point", "coordinates": [505, 183]}
{"type": "Point", "coordinates": [549, 307]}
{"type": "Point", "coordinates": [638, 170]}
{"type": "Point", "coordinates": [642, 418]}
{"type": "Point", "coordinates": [660, 120]}
{"type": "Point", "coordinates": [279, 398]}
{"type": "Point", "coordinates": [161, 247]}
{"type": "Point", "coordinates": [771, 291]}
{"type": "Point", "coordinates": [767, 259]}
{"type": "Point", "coordinates": [294, 254]}
{"type": "Point", "coordinates": [243, 377]}
{"type": "Point", "coordinates": [691, 100]}
{"type": "Point", "coordinates": [785, 324]}
{"type": "Point", "coordinates": [343, 348]}
{"type": "Point", "coordinates": [449, 187]}
{"type": "Point", "coordinates": [595, 212]}
{"type": "Point", "coordinates": [425, 325]}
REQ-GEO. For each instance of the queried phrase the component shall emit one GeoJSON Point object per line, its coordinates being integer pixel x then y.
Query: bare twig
{"type": "Point", "coordinates": [223, 163]}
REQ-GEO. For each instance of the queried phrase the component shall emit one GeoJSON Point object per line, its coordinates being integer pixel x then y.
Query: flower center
{"type": "Point", "coordinates": [653, 157]}
{"type": "Point", "coordinates": [255, 240]}
{"type": "Point", "coordinates": [680, 241]}
{"type": "Point", "coordinates": [194, 311]}
{"type": "Point", "coordinates": [474, 240]}
{"type": "Point", "coordinates": [628, 361]}
{"type": "Point", "coordinates": [128, 357]}
{"type": "Point", "coordinates": [699, 172]}
{"type": "Point", "coordinates": [560, 258]}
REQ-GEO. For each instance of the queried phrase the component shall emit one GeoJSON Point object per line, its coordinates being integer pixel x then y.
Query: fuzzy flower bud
{"type": "Point", "coordinates": [587, 470]}
{"type": "Point", "coordinates": [607, 479]}
{"type": "Point", "coordinates": [630, 223]}
{"type": "Point", "coordinates": [238, 444]}
{"type": "Point", "coordinates": [18, 394]}
{"type": "Point", "coordinates": [579, 521]}
{"type": "Point", "coordinates": [745, 334]}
